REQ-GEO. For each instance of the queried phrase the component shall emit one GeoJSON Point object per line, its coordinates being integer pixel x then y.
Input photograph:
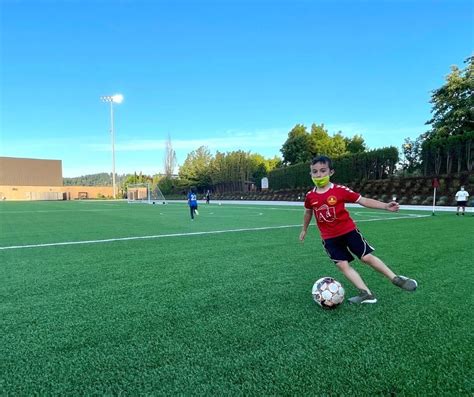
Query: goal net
{"type": "Point", "coordinates": [145, 193]}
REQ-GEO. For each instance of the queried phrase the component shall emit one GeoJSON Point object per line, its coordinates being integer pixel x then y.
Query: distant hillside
{"type": "Point", "coordinates": [102, 179]}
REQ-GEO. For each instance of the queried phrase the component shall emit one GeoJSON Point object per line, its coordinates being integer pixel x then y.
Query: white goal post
{"type": "Point", "coordinates": [145, 193]}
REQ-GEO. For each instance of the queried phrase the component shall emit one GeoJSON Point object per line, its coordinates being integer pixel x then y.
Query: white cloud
{"type": "Point", "coordinates": [231, 140]}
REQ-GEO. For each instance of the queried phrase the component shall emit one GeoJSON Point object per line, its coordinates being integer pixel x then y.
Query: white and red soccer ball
{"type": "Point", "coordinates": [328, 293]}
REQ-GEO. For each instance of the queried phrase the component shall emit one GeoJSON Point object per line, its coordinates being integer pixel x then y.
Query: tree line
{"type": "Point", "coordinates": [100, 179]}
{"type": "Point", "coordinates": [223, 172]}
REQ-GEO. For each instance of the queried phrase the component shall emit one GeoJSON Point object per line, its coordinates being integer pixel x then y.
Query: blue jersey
{"type": "Point", "coordinates": [192, 199]}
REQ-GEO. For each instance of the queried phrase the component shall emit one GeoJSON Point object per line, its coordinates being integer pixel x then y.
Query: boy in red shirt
{"type": "Point", "coordinates": [339, 232]}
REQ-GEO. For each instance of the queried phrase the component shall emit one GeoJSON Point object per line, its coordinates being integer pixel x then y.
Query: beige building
{"type": "Point", "coordinates": [30, 172]}
{"type": "Point", "coordinates": [38, 179]}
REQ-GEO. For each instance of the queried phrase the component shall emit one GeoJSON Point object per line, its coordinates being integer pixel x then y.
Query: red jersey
{"type": "Point", "coordinates": [331, 215]}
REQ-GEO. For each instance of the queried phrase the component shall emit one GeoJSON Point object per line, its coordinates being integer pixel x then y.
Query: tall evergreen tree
{"type": "Point", "coordinates": [196, 167]}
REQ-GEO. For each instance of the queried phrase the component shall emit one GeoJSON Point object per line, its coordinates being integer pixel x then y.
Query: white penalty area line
{"type": "Point", "coordinates": [157, 236]}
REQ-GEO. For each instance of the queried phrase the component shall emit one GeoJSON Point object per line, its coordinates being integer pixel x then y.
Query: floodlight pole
{"type": "Point", "coordinates": [112, 133]}
{"type": "Point", "coordinates": [117, 98]}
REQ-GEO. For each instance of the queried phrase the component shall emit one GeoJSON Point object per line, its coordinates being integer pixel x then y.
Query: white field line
{"type": "Point", "coordinates": [110, 240]}
{"type": "Point", "coordinates": [409, 216]}
{"type": "Point", "coordinates": [63, 210]}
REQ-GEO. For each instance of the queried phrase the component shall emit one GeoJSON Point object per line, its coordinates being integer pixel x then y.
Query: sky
{"type": "Point", "coordinates": [229, 74]}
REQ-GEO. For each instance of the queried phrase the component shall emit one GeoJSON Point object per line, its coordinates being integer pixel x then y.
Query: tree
{"type": "Point", "coordinates": [261, 166]}
{"type": "Point", "coordinates": [170, 159]}
{"type": "Point", "coordinates": [301, 146]}
{"type": "Point", "coordinates": [356, 144]}
{"type": "Point", "coordinates": [258, 167]}
{"type": "Point", "coordinates": [271, 164]}
{"type": "Point", "coordinates": [233, 171]}
{"type": "Point", "coordinates": [196, 168]}
{"type": "Point", "coordinates": [165, 184]}
{"type": "Point", "coordinates": [449, 141]}
{"type": "Point", "coordinates": [338, 145]}
{"type": "Point", "coordinates": [296, 148]}
{"type": "Point", "coordinates": [137, 178]}
{"type": "Point", "coordinates": [453, 103]}
{"type": "Point", "coordinates": [320, 141]}
{"type": "Point", "coordinates": [411, 150]}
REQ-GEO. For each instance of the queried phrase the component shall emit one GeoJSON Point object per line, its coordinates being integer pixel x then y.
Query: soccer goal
{"type": "Point", "coordinates": [145, 193]}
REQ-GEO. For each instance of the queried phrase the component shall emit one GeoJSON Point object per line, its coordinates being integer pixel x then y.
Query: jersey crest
{"type": "Point", "coordinates": [332, 200]}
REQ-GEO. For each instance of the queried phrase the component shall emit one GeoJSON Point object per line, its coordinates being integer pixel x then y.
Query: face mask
{"type": "Point", "coordinates": [321, 182]}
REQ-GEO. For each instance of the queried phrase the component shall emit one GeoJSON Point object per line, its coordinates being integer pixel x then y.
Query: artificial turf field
{"type": "Point", "coordinates": [222, 306]}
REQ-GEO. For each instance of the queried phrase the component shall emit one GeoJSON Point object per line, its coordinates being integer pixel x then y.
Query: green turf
{"type": "Point", "coordinates": [226, 313]}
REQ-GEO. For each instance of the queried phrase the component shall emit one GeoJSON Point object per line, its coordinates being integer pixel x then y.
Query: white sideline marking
{"type": "Point", "coordinates": [66, 210]}
{"type": "Point", "coordinates": [111, 240]}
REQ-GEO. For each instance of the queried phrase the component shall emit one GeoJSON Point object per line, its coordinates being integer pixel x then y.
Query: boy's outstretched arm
{"type": "Point", "coordinates": [379, 205]}
{"type": "Point", "coordinates": [308, 214]}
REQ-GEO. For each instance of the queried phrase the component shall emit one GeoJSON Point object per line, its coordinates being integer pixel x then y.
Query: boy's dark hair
{"type": "Point", "coordinates": [322, 159]}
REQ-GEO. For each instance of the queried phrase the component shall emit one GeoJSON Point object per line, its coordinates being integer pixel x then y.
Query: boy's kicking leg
{"type": "Point", "coordinates": [378, 265]}
{"type": "Point", "coordinates": [400, 281]}
{"type": "Point", "coordinates": [365, 296]}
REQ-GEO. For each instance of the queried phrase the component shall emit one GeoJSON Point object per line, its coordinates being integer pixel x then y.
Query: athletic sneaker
{"type": "Point", "coordinates": [405, 283]}
{"type": "Point", "coordinates": [363, 297]}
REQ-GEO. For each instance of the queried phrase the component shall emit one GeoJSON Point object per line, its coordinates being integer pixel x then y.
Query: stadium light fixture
{"type": "Point", "coordinates": [117, 98]}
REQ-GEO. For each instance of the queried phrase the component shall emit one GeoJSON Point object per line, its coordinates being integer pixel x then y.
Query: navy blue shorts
{"type": "Point", "coordinates": [342, 247]}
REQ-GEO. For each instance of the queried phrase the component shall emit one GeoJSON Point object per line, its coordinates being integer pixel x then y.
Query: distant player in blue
{"type": "Point", "coordinates": [193, 204]}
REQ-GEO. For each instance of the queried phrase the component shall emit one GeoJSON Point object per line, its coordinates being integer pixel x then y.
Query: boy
{"type": "Point", "coordinates": [340, 234]}
{"type": "Point", "coordinates": [461, 198]}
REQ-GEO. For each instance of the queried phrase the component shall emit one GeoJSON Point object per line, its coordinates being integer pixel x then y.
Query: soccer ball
{"type": "Point", "coordinates": [328, 293]}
